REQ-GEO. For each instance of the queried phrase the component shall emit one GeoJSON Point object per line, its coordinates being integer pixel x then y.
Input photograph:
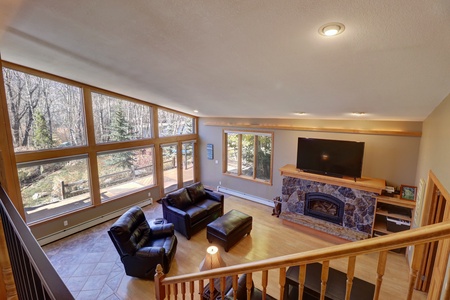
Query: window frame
{"type": "Point", "coordinates": [240, 174]}
{"type": "Point", "coordinates": [91, 149]}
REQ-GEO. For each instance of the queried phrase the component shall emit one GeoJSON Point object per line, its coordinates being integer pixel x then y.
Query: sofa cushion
{"type": "Point", "coordinates": [196, 213]}
{"type": "Point", "coordinates": [210, 205]}
{"type": "Point", "coordinates": [197, 192]}
{"type": "Point", "coordinates": [179, 199]}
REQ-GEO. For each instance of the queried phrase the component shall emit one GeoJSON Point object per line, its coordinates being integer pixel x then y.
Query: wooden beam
{"type": "Point", "coordinates": [317, 129]}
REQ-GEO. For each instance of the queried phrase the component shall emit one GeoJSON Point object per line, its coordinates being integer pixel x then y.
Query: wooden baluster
{"type": "Point", "coordinates": [201, 287]}
{"type": "Point", "coordinates": [191, 289]}
{"type": "Point", "coordinates": [282, 281]}
{"type": "Point", "coordinates": [350, 276]}
{"type": "Point", "coordinates": [380, 273]}
{"type": "Point", "coordinates": [211, 288]}
{"type": "Point", "coordinates": [324, 279]}
{"type": "Point", "coordinates": [248, 285]}
{"type": "Point", "coordinates": [222, 287]}
{"type": "Point", "coordinates": [235, 286]}
{"type": "Point", "coordinates": [264, 280]}
{"type": "Point", "coordinates": [168, 291]}
{"type": "Point", "coordinates": [183, 290]}
{"type": "Point", "coordinates": [159, 288]}
{"type": "Point", "coordinates": [301, 281]}
{"type": "Point", "coordinates": [415, 266]}
{"type": "Point", "coordinates": [175, 290]}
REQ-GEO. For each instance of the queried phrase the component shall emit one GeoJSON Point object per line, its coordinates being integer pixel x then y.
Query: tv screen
{"type": "Point", "coordinates": [330, 157]}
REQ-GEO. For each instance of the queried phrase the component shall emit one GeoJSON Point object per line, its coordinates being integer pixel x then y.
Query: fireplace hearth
{"type": "Point", "coordinates": [324, 207]}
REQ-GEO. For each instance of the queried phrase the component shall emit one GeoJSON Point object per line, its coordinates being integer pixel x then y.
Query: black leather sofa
{"type": "Point", "coordinates": [142, 246]}
{"type": "Point", "coordinates": [191, 208]}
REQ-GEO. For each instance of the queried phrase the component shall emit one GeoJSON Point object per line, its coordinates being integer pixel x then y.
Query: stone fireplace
{"type": "Point", "coordinates": [336, 206]}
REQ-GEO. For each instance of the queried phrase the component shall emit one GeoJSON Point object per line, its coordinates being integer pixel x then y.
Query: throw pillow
{"type": "Point", "coordinates": [197, 192]}
{"type": "Point", "coordinates": [179, 199]}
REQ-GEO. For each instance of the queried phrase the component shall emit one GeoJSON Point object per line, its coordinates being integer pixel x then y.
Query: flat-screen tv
{"type": "Point", "coordinates": [330, 157]}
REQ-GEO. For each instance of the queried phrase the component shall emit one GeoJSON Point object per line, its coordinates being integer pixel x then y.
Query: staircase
{"type": "Point", "coordinates": [273, 271]}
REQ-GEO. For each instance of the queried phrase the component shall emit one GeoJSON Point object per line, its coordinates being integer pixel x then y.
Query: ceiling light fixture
{"type": "Point", "coordinates": [331, 29]}
{"type": "Point", "coordinates": [359, 113]}
{"type": "Point", "coordinates": [300, 113]}
{"type": "Point", "coordinates": [196, 110]}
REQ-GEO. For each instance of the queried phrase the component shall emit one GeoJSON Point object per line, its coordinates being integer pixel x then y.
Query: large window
{"type": "Point", "coordinates": [77, 146]}
{"type": "Point", "coordinates": [172, 124]}
{"type": "Point", "coordinates": [118, 120]}
{"type": "Point", "coordinates": [249, 155]}
{"type": "Point", "coordinates": [122, 172]}
{"type": "Point", "coordinates": [188, 162]}
{"type": "Point", "coordinates": [53, 187]}
{"type": "Point", "coordinates": [44, 114]}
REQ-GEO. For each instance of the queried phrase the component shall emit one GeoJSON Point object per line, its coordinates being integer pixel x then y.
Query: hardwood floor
{"type": "Point", "coordinates": [269, 238]}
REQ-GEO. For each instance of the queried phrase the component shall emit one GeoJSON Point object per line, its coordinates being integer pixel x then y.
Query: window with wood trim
{"type": "Point", "coordinates": [53, 187]}
{"type": "Point", "coordinates": [173, 124]}
{"type": "Point", "coordinates": [45, 114]}
{"type": "Point", "coordinates": [78, 146]}
{"type": "Point", "coordinates": [249, 155]}
{"type": "Point", "coordinates": [117, 120]}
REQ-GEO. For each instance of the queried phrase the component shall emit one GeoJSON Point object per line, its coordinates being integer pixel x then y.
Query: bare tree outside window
{"type": "Point", "coordinates": [44, 114]}
{"type": "Point", "coordinates": [106, 109]}
{"type": "Point", "coordinates": [172, 124]}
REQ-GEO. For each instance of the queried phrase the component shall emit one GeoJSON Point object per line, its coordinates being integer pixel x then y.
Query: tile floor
{"type": "Point", "coordinates": [88, 263]}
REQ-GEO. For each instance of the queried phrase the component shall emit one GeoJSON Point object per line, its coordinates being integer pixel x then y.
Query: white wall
{"type": "Point", "coordinates": [435, 145]}
{"type": "Point", "coordinates": [393, 158]}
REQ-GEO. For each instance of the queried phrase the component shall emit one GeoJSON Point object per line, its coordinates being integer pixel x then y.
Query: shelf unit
{"type": "Point", "coordinates": [391, 207]}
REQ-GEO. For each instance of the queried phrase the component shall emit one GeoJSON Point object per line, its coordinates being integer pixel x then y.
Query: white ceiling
{"type": "Point", "coordinates": [254, 58]}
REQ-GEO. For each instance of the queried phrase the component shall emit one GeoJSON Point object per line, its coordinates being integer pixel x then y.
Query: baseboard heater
{"type": "Point", "coordinates": [88, 224]}
{"type": "Point", "coordinates": [245, 196]}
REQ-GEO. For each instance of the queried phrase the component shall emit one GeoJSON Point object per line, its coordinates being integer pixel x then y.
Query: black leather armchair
{"type": "Point", "coordinates": [142, 246]}
{"type": "Point", "coordinates": [191, 208]}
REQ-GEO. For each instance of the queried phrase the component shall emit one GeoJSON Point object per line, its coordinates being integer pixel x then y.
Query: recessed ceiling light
{"type": "Point", "coordinates": [359, 113]}
{"type": "Point", "coordinates": [300, 113]}
{"type": "Point", "coordinates": [331, 29]}
{"type": "Point", "coordinates": [195, 110]}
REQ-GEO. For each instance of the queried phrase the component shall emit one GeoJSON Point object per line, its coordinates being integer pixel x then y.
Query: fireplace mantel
{"type": "Point", "coordinates": [374, 185]}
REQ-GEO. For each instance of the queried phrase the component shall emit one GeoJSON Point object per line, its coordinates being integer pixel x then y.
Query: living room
{"type": "Point", "coordinates": [402, 146]}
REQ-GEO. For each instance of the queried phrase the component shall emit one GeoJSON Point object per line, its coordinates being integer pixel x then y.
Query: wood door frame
{"type": "Point", "coordinates": [443, 249]}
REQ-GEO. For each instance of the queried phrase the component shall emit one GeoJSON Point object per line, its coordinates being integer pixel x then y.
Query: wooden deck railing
{"type": "Point", "coordinates": [182, 286]}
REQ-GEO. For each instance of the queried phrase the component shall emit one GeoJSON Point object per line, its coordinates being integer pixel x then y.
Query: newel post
{"type": "Point", "coordinates": [160, 291]}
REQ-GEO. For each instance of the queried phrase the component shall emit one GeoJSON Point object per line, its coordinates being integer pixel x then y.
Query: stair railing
{"type": "Point", "coordinates": [179, 287]}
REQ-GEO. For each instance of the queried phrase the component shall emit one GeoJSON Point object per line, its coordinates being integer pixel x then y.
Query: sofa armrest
{"type": "Point", "coordinates": [146, 252]}
{"type": "Point", "coordinates": [162, 230]}
{"type": "Point", "coordinates": [214, 195]}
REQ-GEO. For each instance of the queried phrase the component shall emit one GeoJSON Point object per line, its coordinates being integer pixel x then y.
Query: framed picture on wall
{"type": "Point", "coordinates": [408, 192]}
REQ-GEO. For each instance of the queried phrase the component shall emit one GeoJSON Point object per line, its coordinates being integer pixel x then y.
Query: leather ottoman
{"type": "Point", "coordinates": [228, 229]}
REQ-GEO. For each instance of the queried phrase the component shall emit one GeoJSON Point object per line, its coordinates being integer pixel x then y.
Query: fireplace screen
{"type": "Point", "coordinates": [325, 207]}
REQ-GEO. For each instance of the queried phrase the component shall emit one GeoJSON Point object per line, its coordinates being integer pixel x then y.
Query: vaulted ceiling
{"type": "Point", "coordinates": [254, 58]}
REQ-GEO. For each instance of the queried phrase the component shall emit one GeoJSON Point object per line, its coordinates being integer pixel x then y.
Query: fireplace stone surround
{"type": "Point", "coordinates": [357, 200]}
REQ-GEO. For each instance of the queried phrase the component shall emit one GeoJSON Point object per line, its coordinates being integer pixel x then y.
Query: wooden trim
{"type": "Point", "coordinates": [318, 129]}
{"type": "Point", "coordinates": [374, 185]}
{"type": "Point", "coordinates": [8, 173]}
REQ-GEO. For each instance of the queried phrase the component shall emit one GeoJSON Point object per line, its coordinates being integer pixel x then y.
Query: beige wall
{"type": "Point", "coordinates": [393, 158]}
{"type": "Point", "coordinates": [435, 145]}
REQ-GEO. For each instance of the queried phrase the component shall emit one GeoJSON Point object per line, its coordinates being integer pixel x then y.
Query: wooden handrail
{"type": "Point", "coordinates": [417, 236]}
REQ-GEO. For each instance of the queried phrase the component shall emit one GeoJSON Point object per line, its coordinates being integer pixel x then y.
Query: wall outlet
{"type": "Point", "coordinates": [151, 200]}
{"type": "Point", "coordinates": [66, 223]}
{"type": "Point", "coordinates": [220, 182]}
{"type": "Point", "coordinates": [149, 194]}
